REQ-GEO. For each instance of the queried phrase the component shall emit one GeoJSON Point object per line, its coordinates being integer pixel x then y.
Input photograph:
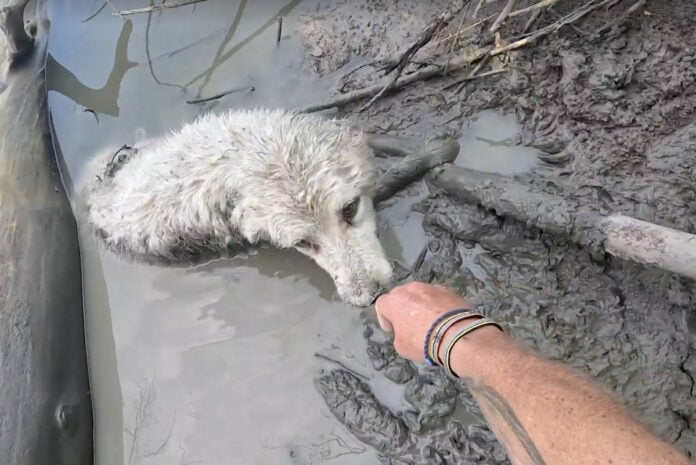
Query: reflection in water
{"type": "Point", "coordinates": [105, 99]}
{"type": "Point", "coordinates": [220, 59]}
{"type": "Point", "coordinates": [223, 45]}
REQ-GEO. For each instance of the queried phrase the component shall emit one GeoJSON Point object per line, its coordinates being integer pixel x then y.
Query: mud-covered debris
{"type": "Point", "coordinates": [416, 165]}
{"type": "Point", "coordinates": [435, 398]}
{"type": "Point", "coordinates": [354, 405]}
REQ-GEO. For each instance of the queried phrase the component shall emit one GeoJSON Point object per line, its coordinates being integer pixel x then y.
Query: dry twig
{"type": "Point", "coordinates": [458, 63]}
{"type": "Point", "coordinates": [503, 15]}
{"type": "Point", "coordinates": [632, 9]}
{"type": "Point", "coordinates": [572, 17]}
{"type": "Point", "coordinates": [536, 7]}
{"type": "Point", "coordinates": [477, 9]}
{"type": "Point", "coordinates": [532, 18]}
{"type": "Point", "coordinates": [473, 76]}
{"type": "Point", "coordinates": [156, 7]}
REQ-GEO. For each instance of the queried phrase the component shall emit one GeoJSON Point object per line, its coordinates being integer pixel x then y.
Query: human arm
{"type": "Point", "coordinates": [541, 411]}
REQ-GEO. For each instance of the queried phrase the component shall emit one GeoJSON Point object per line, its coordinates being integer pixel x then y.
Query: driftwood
{"type": "Point", "coordinates": [618, 235]}
{"type": "Point", "coordinates": [45, 409]}
{"type": "Point", "coordinates": [414, 163]}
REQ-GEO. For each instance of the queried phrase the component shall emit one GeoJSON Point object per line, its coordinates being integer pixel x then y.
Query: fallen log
{"type": "Point", "coordinates": [414, 163]}
{"type": "Point", "coordinates": [45, 408]}
{"type": "Point", "coordinates": [618, 235]}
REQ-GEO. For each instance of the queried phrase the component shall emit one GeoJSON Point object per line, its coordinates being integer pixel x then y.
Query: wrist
{"type": "Point", "coordinates": [471, 355]}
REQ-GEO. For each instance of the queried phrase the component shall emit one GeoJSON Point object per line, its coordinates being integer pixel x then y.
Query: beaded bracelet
{"type": "Point", "coordinates": [428, 335]}
{"type": "Point", "coordinates": [441, 330]}
{"type": "Point", "coordinates": [457, 337]}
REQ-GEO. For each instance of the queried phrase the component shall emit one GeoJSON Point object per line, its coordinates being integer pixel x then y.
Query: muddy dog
{"type": "Point", "coordinates": [228, 181]}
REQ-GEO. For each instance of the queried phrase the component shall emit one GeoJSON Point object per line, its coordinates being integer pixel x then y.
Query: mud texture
{"type": "Point", "coordinates": [45, 408]}
{"type": "Point", "coordinates": [610, 101]}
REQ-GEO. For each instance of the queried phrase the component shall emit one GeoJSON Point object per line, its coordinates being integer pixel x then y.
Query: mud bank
{"type": "Point", "coordinates": [612, 116]}
{"type": "Point", "coordinates": [45, 409]}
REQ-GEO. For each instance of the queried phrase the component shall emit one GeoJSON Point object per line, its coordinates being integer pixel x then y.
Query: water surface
{"type": "Point", "coordinates": [216, 363]}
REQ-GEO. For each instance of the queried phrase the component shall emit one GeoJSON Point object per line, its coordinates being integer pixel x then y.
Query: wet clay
{"type": "Point", "coordinates": [612, 117]}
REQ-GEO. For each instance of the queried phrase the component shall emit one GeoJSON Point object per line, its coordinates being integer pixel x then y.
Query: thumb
{"type": "Point", "coordinates": [384, 323]}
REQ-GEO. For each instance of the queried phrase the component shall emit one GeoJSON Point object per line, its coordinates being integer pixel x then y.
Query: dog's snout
{"type": "Point", "coordinates": [377, 296]}
{"type": "Point", "coordinates": [378, 290]}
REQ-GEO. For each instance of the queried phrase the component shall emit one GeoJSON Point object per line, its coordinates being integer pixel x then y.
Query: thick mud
{"type": "Point", "coordinates": [611, 117]}
{"type": "Point", "coordinates": [252, 360]}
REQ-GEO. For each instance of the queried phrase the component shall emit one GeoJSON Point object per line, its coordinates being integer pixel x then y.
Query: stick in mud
{"type": "Point", "coordinates": [424, 37]}
{"type": "Point", "coordinates": [461, 62]}
{"type": "Point", "coordinates": [618, 235]}
{"type": "Point", "coordinates": [423, 74]}
{"type": "Point", "coordinates": [279, 33]}
{"type": "Point", "coordinates": [414, 165]}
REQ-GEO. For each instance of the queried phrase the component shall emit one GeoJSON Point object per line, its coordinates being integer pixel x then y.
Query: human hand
{"type": "Point", "coordinates": [409, 311]}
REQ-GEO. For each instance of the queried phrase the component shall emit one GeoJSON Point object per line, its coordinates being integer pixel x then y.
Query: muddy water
{"type": "Point", "coordinates": [215, 363]}
{"type": "Point", "coordinates": [490, 142]}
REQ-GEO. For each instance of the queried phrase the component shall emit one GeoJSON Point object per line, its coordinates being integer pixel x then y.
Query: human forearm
{"type": "Point", "coordinates": [544, 413]}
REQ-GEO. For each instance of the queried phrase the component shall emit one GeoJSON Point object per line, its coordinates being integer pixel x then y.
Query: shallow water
{"type": "Point", "coordinates": [490, 143]}
{"type": "Point", "coordinates": [215, 363]}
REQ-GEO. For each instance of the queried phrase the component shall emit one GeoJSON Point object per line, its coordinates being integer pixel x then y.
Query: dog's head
{"type": "Point", "coordinates": [314, 194]}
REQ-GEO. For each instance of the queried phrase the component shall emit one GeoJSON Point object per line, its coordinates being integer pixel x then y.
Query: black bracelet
{"type": "Point", "coordinates": [429, 334]}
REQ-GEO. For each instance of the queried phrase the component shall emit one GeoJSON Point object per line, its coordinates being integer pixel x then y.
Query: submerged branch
{"type": "Point", "coordinates": [161, 6]}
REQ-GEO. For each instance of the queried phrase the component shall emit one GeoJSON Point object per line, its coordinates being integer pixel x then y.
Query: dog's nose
{"type": "Point", "coordinates": [378, 292]}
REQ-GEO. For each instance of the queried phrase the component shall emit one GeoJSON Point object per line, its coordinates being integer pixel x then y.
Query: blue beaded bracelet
{"type": "Point", "coordinates": [429, 334]}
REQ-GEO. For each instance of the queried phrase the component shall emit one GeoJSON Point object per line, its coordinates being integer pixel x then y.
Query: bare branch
{"type": "Point", "coordinates": [423, 38]}
{"type": "Point", "coordinates": [533, 8]}
{"type": "Point", "coordinates": [423, 74]}
{"type": "Point", "coordinates": [503, 15]}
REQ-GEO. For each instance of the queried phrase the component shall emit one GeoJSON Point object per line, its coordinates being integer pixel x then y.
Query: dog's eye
{"type": "Point", "coordinates": [349, 211]}
{"type": "Point", "coordinates": [305, 244]}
